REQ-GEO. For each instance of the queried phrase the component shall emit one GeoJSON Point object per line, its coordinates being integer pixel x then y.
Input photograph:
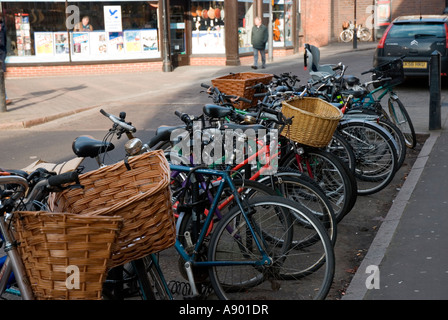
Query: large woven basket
{"type": "Point", "coordinates": [65, 256]}
{"type": "Point", "coordinates": [314, 120]}
{"type": "Point", "coordinates": [240, 84]}
{"type": "Point", "coordinates": [140, 194]}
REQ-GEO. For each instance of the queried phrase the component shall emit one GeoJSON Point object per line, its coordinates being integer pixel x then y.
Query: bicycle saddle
{"type": "Point", "coordinates": [351, 80]}
{"type": "Point", "coordinates": [215, 111]}
{"type": "Point", "coordinates": [86, 146]}
{"type": "Point", "coordinates": [163, 133]}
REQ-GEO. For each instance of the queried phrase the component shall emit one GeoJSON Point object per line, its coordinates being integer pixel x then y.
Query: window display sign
{"type": "Point", "coordinates": [133, 41]}
{"type": "Point", "coordinates": [149, 40]}
{"type": "Point", "coordinates": [116, 43]}
{"type": "Point", "coordinates": [43, 42]}
{"type": "Point", "coordinates": [80, 43]}
{"type": "Point", "coordinates": [60, 43]}
{"type": "Point", "coordinates": [112, 18]}
{"type": "Point", "coordinates": [98, 43]}
{"type": "Point", "coordinates": [22, 23]}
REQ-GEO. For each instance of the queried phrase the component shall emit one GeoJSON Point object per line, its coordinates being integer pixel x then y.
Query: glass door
{"type": "Point", "coordinates": [180, 49]}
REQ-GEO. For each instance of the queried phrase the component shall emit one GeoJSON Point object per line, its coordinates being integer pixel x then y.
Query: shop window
{"type": "Point", "coordinates": [246, 15]}
{"type": "Point", "coordinates": [282, 32]}
{"type": "Point", "coordinates": [208, 27]}
{"type": "Point", "coordinates": [39, 31]}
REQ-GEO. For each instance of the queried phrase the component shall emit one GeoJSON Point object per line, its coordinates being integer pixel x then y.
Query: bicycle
{"type": "Point", "coordinates": [262, 250]}
{"type": "Point", "coordinates": [362, 33]}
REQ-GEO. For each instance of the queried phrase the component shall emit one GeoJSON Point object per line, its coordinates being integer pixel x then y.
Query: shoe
{"type": "Point", "coordinates": [8, 101]}
{"type": "Point", "coordinates": [254, 67]}
{"type": "Point", "coordinates": [263, 67]}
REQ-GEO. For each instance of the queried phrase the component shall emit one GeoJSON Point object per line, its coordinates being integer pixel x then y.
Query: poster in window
{"type": "Point", "coordinates": [23, 37]}
{"type": "Point", "coordinates": [133, 41]}
{"type": "Point", "coordinates": [80, 43]}
{"type": "Point", "coordinates": [112, 19]}
{"type": "Point", "coordinates": [116, 43]}
{"type": "Point", "coordinates": [43, 42]}
{"type": "Point", "coordinates": [60, 43]}
{"type": "Point", "coordinates": [149, 40]}
{"type": "Point", "coordinates": [98, 43]}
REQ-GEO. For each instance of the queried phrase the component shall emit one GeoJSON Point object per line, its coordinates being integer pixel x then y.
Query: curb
{"type": "Point", "coordinates": [357, 288]}
{"type": "Point", "coordinates": [37, 121]}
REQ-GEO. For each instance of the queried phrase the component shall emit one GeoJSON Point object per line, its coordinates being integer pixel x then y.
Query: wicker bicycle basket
{"type": "Point", "coordinates": [65, 255]}
{"type": "Point", "coordinates": [314, 120]}
{"type": "Point", "coordinates": [139, 192]}
{"type": "Point", "coordinates": [240, 84]}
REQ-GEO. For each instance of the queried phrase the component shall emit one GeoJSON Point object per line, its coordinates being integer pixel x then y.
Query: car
{"type": "Point", "coordinates": [416, 38]}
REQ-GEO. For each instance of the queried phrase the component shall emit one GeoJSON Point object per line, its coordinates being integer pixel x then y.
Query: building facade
{"type": "Point", "coordinates": [131, 35]}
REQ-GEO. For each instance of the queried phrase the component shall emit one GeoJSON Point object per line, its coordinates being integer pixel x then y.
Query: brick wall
{"type": "Point", "coordinates": [38, 71]}
{"type": "Point", "coordinates": [316, 21]}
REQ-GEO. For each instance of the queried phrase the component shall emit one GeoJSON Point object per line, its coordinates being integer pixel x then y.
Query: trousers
{"type": "Point", "coordinates": [263, 57]}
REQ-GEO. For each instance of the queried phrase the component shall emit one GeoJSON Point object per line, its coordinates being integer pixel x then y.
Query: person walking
{"type": "Point", "coordinates": [259, 38]}
{"type": "Point", "coordinates": [3, 50]}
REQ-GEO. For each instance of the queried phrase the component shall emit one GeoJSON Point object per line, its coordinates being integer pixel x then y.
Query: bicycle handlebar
{"type": "Point", "coordinates": [63, 178]}
{"type": "Point", "coordinates": [124, 125]}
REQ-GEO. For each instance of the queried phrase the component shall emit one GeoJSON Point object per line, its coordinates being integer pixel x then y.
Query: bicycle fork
{"type": "Point", "coordinates": [13, 263]}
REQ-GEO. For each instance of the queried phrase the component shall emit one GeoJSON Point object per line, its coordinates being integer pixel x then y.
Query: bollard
{"type": "Point", "coordinates": [355, 38]}
{"type": "Point", "coordinates": [435, 87]}
{"type": "Point", "coordinates": [2, 90]}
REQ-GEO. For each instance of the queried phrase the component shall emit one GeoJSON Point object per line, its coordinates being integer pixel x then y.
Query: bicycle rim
{"type": "Point", "coordinates": [276, 280]}
{"type": "Point", "coordinates": [401, 118]}
{"type": "Point", "coordinates": [376, 155]}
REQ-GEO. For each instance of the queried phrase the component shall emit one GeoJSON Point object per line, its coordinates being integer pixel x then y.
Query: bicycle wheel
{"type": "Point", "coordinates": [364, 34]}
{"type": "Point", "coordinates": [232, 247]}
{"type": "Point", "coordinates": [293, 185]}
{"type": "Point", "coordinates": [376, 154]}
{"type": "Point", "coordinates": [343, 150]}
{"type": "Point", "coordinates": [399, 139]}
{"type": "Point", "coordinates": [399, 115]}
{"type": "Point", "coordinates": [332, 176]}
{"type": "Point", "coordinates": [346, 35]}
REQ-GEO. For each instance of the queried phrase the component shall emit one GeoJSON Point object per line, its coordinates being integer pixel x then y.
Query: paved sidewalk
{"type": "Point", "coordinates": [410, 247]}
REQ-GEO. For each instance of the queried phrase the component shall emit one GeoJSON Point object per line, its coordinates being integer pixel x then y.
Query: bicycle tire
{"type": "Point", "coordinates": [364, 34]}
{"type": "Point", "coordinates": [400, 116]}
{"type": "Point", "coordinates": [399, 139]}
{"type": "Point", "coordinates": [143, 281]}
{"type": "Point", "coordinates": [331, 174]}
{"type": "Point", "coordinates": [343, 150]}
{"type": "Point", "coordinates": [276, 280]}
{"type": "Point", "coordinates": [376, 154]}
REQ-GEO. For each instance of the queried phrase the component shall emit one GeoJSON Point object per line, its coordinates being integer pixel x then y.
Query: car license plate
{"type": "Point", "coordinates": [415, 64]}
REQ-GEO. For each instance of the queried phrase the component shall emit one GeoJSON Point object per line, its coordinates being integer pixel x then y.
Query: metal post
{"type": "Point", "coordinates": [270, 33]}
{"type": "Point", "coordinates": [2, 89]}
{"type": "Point", "coordinates": [355, 30]}
{"type": "Point", "coordinates": [435, 120]}
{"type": "Point", "coordinates": [167, 66]}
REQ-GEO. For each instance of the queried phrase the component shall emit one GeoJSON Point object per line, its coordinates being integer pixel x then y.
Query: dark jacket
{"type": "Point", "coordinates": [259, 37]}
{"type": "Point", "coordinates": [3, 45]}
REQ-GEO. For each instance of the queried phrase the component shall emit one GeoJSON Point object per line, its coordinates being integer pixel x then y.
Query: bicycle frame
{"type": "Point", "coordinates": [191, 258]}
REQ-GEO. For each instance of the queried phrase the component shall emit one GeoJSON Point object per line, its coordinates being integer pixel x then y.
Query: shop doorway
{"type": "Point", "coordinates": [179, 35]}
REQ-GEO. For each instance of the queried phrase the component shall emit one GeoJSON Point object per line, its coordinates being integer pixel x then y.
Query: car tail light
{"type": "Point", "coordinates": [383, 38]}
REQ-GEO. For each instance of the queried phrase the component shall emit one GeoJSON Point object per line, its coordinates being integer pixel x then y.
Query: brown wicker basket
{"type": "Point", "coordinates": [140, 195]}
{"type": "Point", "coordinates": [314, 122]}
{"type": "Point", "coordinates": [49, 243]}
{"type": "Point", "coordinates": [240, 84]}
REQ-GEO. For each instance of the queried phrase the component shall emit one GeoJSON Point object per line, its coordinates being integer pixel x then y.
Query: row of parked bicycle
{"type": "Point", "coordinates": [249, 200]}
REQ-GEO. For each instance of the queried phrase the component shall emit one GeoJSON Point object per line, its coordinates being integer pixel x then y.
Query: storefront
{"type": "Point", "coordinates": [46, 33]}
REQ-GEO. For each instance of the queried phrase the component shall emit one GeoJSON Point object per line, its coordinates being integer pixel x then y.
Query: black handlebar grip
{"type": "Point", "coordinates": [183, 116]}
{"type": "Point", "coordinates": [60, 179]}
{"type": "Point", "coordinates": [245, 100]}
{"type": "Point", "coordinates": [203, 85]}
